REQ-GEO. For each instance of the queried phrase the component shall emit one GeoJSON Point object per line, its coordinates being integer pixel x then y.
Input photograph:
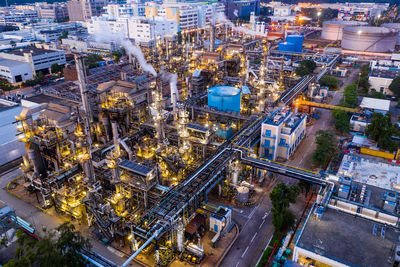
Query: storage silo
{"type": "Point", "coordinates": [395, 27]}
{"type": "Point", "coordinates": [369, 39]}
{"type": "Point", "coordinates": [333, 30]}
{"type": "Point", "coordinates": [243, 194]}
{"type": "Point", "coordinates": [224, 98]}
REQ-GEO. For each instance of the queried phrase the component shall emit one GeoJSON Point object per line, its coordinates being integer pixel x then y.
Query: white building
{"type": "Point", "coordinates": [87, 46]}
{"type": "Point", "coordinates": [282, 11]}
{"type": "Point", "coordinates": [15, 71]}
{"type": "Point", "coordinates": [114, 11]}
{"type": "Point", "coordinates": [281, 133]}
{"type": "Point", "coordinates": [361, 11]}
{"type": "Point", "coordinates": [141, 29]}
{"type": "Point", "coordinates": [38, 59]}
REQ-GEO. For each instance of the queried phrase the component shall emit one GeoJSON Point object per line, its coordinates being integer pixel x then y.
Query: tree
{"type": "Point", "coordinates": [117, 55]}
{"type": "Point", "coordinates": [342, 120]}
{"type": "Point", "coordinates": [281, 197]}
{"type": "Point", "coordinates": [375, 94]}
{"type": "Point", "coordinates": [179, 36]}
{"type": "Point", "coordinates": [92, 59]}
{"type": "Point", "coordinates": [51, 251]}
{"type": "Point", "coordinates": [394, 87]}
{"type": "Point", "coordinates": [13, 44]}
{"type": "Point", "coordinates": [306, 67]}
{"type": "Point", "coordinates": [63, 35]}
{"type": "Point", "coordinates": [349, 96]}
{"type": "Point", "coordinates": [56, 68]}
{"type": "Point", "coordinates": [329, 81]}
{"type": "Point", "coordinates": [326, 147]}
{"type": "Point", "coordinates": [381, 130]}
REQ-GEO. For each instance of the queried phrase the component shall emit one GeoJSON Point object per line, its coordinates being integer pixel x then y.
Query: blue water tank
{"type": "Point", "coordinates": [297, 41]}
{"type": "Point", "coordinates": [224, 98]}
{"type": "Point", "coordinates": [286, 47]}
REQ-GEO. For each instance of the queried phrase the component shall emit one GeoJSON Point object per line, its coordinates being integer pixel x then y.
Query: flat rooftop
{"type": "Point", "coordinates": [349, 239]}
{"type": "Point", "coordinates": [31, 49]}
{"type": "Point", "coordinates": [370, 171]}
{"type": "Point", "coordinates": [389, 74]}
{"type": "Point", "coordinates": [11, 63]}
{"type": "Point", "coordinates": [375, 104]}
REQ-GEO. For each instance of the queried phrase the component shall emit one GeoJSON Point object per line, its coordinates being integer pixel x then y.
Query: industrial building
{"type": "Point", "coordinates": [15, 71]}
{"type": "Point", "coordinates": [369, 39]}
{"type": "Point", "coordinates": [380, 79]}
{"type": "Point", "coordinates": [375, 105]}
{"type": "Point", "coordinates": [37, 58]}
{"type": "Point", "coordinates": [82, 10]}
{"type": "Point", "coordinates": [281, 133]}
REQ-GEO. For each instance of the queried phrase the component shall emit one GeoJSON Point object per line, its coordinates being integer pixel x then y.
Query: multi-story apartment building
{"type": "Point", "coordinates": [141, 29]}
{"type": "Point", "coordinates": [83, 10]}
{"type": "Point", "coordinates": [114, 11]}
{"type": "Point", "coordinates": [55, 11]}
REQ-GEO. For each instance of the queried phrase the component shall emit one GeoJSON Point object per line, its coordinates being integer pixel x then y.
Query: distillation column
{"type": "Point", "coordinates": [183, 133]}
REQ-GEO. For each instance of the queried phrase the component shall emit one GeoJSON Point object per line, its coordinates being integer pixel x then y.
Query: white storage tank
{"type": "Point", "coordinates": [369, 39]}
{"type": "Point", "coordinates": [333, 30]}
{"type": "Point", "coordinates": [243, 194]}
{"type": "Point", "coordinates": [395, 27]}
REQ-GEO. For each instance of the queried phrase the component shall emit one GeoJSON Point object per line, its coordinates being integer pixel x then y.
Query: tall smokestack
{"type": "Point", "coordinates": [212, 39]}
{"type": "Point", "coordinates": [80, 68]}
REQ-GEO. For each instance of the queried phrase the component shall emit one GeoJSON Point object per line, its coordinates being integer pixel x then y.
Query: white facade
{"type": "Point", "coordinates": [114, 11]}
{"type": "Point", "coordinates": [381, 84]}
{"type": "Point", "coordinates": [38, 59]}
{"type": "Point", "coordinates": [140, 29]}
{"type": "Point", "coordinates": [88, 46]}
{"type": "Point", "coordinates": [15, 71]}
{"type": "Point", "coordinates": [281, 133]}
{"type": "Point", "coordinates": [282, 11]}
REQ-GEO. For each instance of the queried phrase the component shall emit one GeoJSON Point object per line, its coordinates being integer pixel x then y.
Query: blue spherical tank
{"type": "Point", "coordinates": [224, 98]}
{"type": "Point", "coordinates": [297, 41]}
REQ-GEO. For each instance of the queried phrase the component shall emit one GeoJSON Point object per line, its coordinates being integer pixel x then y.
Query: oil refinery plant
{"type": "Point", "coordinates": [135, 156]}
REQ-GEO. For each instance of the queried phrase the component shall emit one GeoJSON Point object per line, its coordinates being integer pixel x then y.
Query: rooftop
{"type": "Point", "coordinates": [11, 63]}
{"type": "Point", "coordinates": [33, 50]}
{"type": "Point", "coordinates": [375, 104]}
{"type": "Point", "coordinates": [277, 117]}
{"type": "Point", "coordinates": [382, 73]}
{"type": "Point", "coordinates": [348, 239]}
{"type": "Point", "coordinates": [370, 171]}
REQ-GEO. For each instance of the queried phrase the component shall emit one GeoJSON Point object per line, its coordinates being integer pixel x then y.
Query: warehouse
{"type": "Point", "coordinates": [380, 79]}
{"type": "Point", "coordinates": [15, 71]}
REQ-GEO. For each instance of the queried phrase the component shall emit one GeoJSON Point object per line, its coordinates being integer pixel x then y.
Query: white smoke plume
{"type": "Point", "coordinates": [107, 36]}
{"type": "Point", "coordinates": [236, 13]}
{"type": "Point", "coordinates": [222, 19]}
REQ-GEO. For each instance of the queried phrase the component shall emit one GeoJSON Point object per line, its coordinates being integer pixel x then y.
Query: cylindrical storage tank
{"type": "Point", "coordinates": [395, 27]}
{"type": "Point", "coordinates": [369, 39]}
{"type": "Point", "coordinates": [333, 30]}
{"type": "Point", "coordinates": [224, 98]}
{"type": "Point", "coordinates": [297, 41]}
{"type": "Point", "coordinates": [243, 194]}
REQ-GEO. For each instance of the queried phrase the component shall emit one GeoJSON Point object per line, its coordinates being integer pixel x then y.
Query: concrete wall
{"type": "Point", "coordinates": [380, 84]}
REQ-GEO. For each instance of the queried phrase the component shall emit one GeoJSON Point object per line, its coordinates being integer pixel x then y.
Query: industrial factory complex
{"type": "Point", "coordinates": [163, 132]}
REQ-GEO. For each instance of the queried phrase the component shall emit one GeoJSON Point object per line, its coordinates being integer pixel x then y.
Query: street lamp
{"type": "Point", "coordinates": [318, 14]}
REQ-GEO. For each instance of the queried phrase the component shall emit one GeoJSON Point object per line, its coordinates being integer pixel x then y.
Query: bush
{"type": "Point", "coordinates": [349, 96]}
{"type": "Point", "coordinates": [326, 147]}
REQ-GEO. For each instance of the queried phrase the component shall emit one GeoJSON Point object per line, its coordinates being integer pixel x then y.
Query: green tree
{"type": "Point", "coordinates": [306, 67]}
{"type": "Point", "coordinates": [92, 59]}
{"type": "Point", "coordinates": [326, 147]}
{"type": "Point", "coordinates": [13, 44]}
{"type": "Point", "coordinates": [381, 130]}
{"type": "Point", "coordinates": [394, 87]}
{"type": "Point", "coordinates": [281, 197]}
{"type": "Point", "coordinates": [342, 120]}
{"type": "Point", "coordinates": [349, 96]}
{"type": "Point", "coordinates": [329, 81]}
{"type": "Point", "coordinates": [179, 36]}
{"type": "Point", "coordinates": [56, 68]}
{"type": "Point", "coordinates": [63, 35]}
{"type": "Point", "coordinates": [375, 94]}
{"type": "Point", "coordinates": [117, 55]}
{"type": "Point", "coordinates": [51, 251]}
